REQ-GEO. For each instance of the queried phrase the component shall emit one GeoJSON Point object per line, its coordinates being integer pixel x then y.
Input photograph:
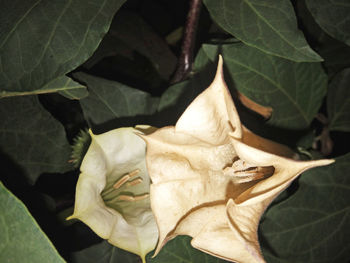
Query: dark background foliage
{"type": "Point", "coordinates": [71, 65]}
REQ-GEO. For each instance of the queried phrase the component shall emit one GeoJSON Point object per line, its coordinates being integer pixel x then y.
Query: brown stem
{"type": "Point", "coordinates": [184, 64]}
{"type": "Point", "coordinates": [325, 138]}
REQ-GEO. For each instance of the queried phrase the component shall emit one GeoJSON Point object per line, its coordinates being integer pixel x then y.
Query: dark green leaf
{"type": "Point", "coordinates": [104, 253]}
{"type": "Point", "coordinates": [74, 90]}
{"type": "Point", "coordinates": [32, 137]}
{"type": "Point", "coordinates": [128, 33]}
{"type": "Point", "coordinates": [21, 238]}
{"type": "Point", "coordinates": [338, 102]}
{"type": "Point", "coordinates": [333, 17]}
{"type": "Point", "coordinates": [109, 100]}
{"type": "Point", "coordinates": [336, 56]}
{"type": "Point", "coordinates": [293, 90]}
{"type": "Point", "coordinates": [313, 225]}
{"type": "Point", "coordinates": [41, 41]}
{"type": "Point", "coordinates": [179, 250]}
{"type": "Point", "coordinates": [64, 85]}
{"type": "Point", "coordinates": [335, 53]}
{"type": "Point", "coordinates": [270, 26]}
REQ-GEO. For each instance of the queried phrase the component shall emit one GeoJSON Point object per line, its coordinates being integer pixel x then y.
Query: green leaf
{"type": "Point", "coordinates": [338, 102]}
{"type": "Point", "coordinates": [294, 90]}
{"type": "Point", "coordinates": [130, 33]}
{"type": "Point", "coordinates": [333, 17]}
{"type": "Point", "coordinates": [336, 54]}
{"type": "Point", "coordinates": [41, 41]}
{"type": "Point", "coordinates": [32, 137]}
{"type": "Point", "coordinates": [73, 90]}
{"type": "Point", "coordinates": [64, 85]}
{"type": "Point", "coordinates": [269, 26]}
{"type": "Point", "coordinates": [313, 225]}
{"type": "Point", "coordinates": [109, 100]}
{"type": "Point", "coordinates": [179, 250]}
{"type": "Point", "coordinates": [104, 253]}
{"type": "Point", "coordinates": [21, 238]}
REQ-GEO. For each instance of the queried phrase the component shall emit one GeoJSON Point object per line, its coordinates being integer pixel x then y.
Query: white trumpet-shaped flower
{"type": "Point", "coordinates": [112, 193]}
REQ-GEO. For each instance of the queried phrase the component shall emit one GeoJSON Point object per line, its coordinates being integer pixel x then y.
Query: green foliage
{"type": "Point", "coordinates": [270, 26]}
{"type": "Point", "coordinates": [303, 229]}
{"type": "Point", "coordinates": [113, 67]}
{"type": "Point", "coordinates": [103, 253]}
{"type": "Point", "coordinates": [110, 100]}
{"type": "Point", "coordinates": [295, 89]}
{"type": "Point", "coordinates": [64, 85]}
{"type": "Point", "coordinates": [333, 17]}
{"type": "Point", "coordinates": [32, 137]}
{"type": "Point", "coordinates": [338, 101]}
{"type": "Point", "coordinates": [42, 41]}
{"type": "Point", "coordinates": [130, 36]}
{"type": "Point", "coordinates": [178, 250]}
{"type": "Point", "coordinates": [21, 238]}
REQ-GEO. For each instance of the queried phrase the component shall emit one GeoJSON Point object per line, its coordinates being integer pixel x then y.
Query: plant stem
{"type": "Point", "coordinates": [185, 61]}
{"type": "Point", "coordinates": [325, 138]}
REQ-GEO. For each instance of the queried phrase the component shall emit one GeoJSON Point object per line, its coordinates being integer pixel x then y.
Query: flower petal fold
{"type": "Point", "coordinates": [112, 190]}
{"type": "Point", "coordinates": [212, 115]}
{"type": "Point", "coordinates": [212, 178]}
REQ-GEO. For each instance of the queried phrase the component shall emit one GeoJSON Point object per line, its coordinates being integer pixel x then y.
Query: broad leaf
{"type": "Point", "coordinates": [270, 26]}
{"type": "Point", "coordinates": [333, 17]}
{"type": "Point", "coordinates": [130, 33]}
{"type": "Point", "coordinates": [32, 137]}
{"type": "Point", "coordinates": [104, 253]}
{"type": "Point", "coordinates": [41, 41]}
{"type": "Point", "coordinates": [109, 100]}
{"type": "Point", "coordinates": [294, 90]}
{"type": "Point", "coordinates": [313, 225]}
{"type": "Point", "coordinates": [179, 250]}
{"type": "Point", "coordinates": [64, 85]}
{"type": "Point", "coordinates": [21, 238]}
{"type": "Point", "coordinates": [338, 101]}
{"type": "Point", "coordinates": [336, 54]}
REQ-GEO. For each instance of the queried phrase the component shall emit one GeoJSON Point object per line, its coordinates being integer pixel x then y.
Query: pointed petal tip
{"type": "Point", "coordinates": [156, 252]}
{"type": "Point", "coordinates": [220, 61]}
{"type": "Point", "coordinates": [322, 162]}
{"type": "Point", "coordinates": [91, 133]}
{"type": "Point", "coordinates": [71, 217]}
{"type": "Point", "coordinates": [306, 165]}
{"type": "Point", "coordinates": [219, 70]}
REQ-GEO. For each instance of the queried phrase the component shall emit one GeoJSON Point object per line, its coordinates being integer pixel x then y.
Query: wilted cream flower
{"type": "Point", "coordinates": [112, 193]}
{"type": "Point", "coordinates": [212, 178]}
